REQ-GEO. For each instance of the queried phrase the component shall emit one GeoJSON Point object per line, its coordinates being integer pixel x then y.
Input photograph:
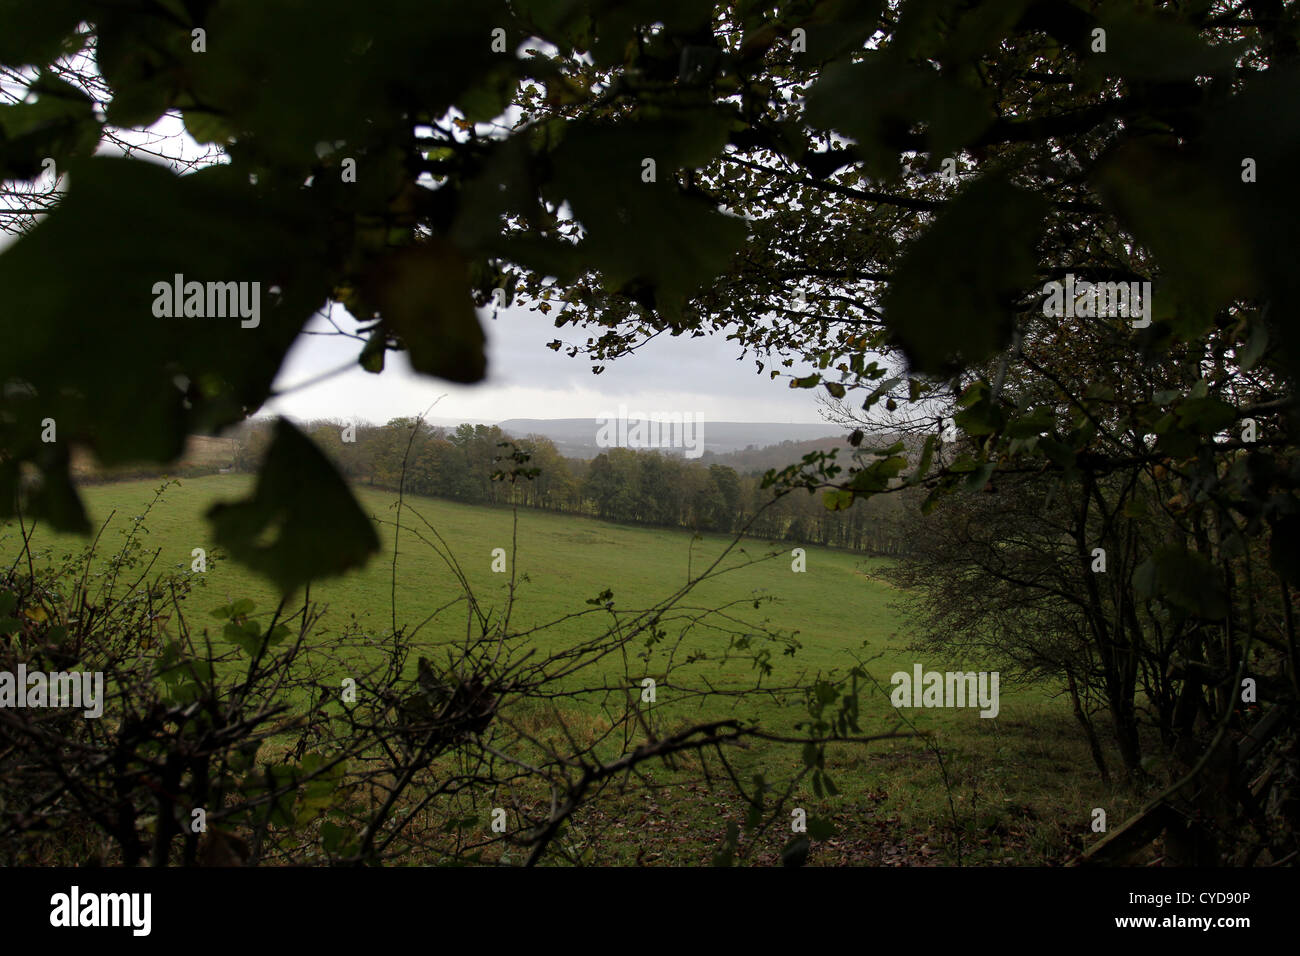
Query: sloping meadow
{"type": "Point", "coordinates": [756, 641]}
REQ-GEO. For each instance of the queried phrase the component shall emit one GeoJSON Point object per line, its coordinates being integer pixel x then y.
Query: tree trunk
{"type": "Point", "coordinates": [1098, 757]}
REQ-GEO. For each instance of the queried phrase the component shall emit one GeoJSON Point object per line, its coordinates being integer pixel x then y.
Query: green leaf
{"type": "Point", "coordinates": [143, 58]}
{"type": "Point", "coordinates": [423, 295]}
{"type": "Point", "coordinates": [246, 637]}
{"type": "Point", "coordinates": [819, 829]}
{"type": "Point", "coordinates": [978, 478]}
{"type": "Point", "coordinates": [927, 456]}
{"type": "Point", "coordinates": [56, 496]}
{"type": "Point", "coordinates": [1144, 47]}
{"type": "Point", "coordinates": [33, 33]}
{"type": "Point", "coordinates": [59, 124]}
{"type": "Point", "coordinates": [206, 126]}
{"type": "Point", "coordinates": [982, 419]}
{"type": "Point", "coordinates": [301, 522]}
{"type": "Point", "coordinates": [1206, 415]}
{"type": "Point", "coordinates": [1135, 508]}
{"type": "Point", "coordinates": [554, 18]}
{"type": "Point", "coordinates": [833, 27]}
{"type": "Point", "coordinates": [726, 853]}
{"type": "Point", "coordinates": [876, 477]}
{"type": "Point", "coordinates": [837, 499]}
{"type": "Point", "coordinates": [1255, 347]}
{"type": "Point", "coordinates": [209, 226]}
{"type": "Point", "coordinates": [1058, 452]}
{"type": "Point", "coordinates": [490, 97]}
{"type": "Point", "coordinates": [1177, 442]}
{"type": "Point", "coordinates": [973, 393]}
{"type": "Point", "coordinates": [874, 98]}
{"type": "Point", "coordinates": [334, 838]}
{"type": "Point", "coordinates": [1033, 423]}
{"type": "Point", "coordinates": [950, 303]}
{"type": "Point", "coordinates": [1260, 123]}
{"type": "Point", "coordinates": [234, 609]}
{"type": "Point", "coordinates": [1184, 579]}
{"type": "Point", "coordinates": [880, 391]}
{"type": "Point", "coordinates": [1284, 549]}
{"type": "Point", "coordinates": [795, 853]}
{"type": "Point", "coordinates": [648, 239]}
{"type": "Point", "coordinates": [1189, 218]}
{"type": "Point", "coordinates": [811, 755]}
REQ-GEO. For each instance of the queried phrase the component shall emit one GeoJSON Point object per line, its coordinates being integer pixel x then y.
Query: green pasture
{"type": "Point", "coordinates": [1022, 785]}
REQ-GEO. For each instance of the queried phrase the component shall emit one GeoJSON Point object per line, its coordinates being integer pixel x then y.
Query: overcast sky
{"type": "Point", "coordinates": [527, 380]}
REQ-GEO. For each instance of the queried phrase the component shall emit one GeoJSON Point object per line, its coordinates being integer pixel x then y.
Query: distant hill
{"type": "Point", "coordinates": [576, 437]}
{"type": "Point", "coordinates": [757, 460]}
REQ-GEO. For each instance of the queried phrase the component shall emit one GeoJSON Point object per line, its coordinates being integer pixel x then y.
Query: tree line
{"type": "Point", "coordinates": [621, 484]}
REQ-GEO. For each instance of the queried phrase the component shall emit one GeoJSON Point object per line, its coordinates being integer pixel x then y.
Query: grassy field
{"type": "Point", "coordinates": [1022, 786]}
